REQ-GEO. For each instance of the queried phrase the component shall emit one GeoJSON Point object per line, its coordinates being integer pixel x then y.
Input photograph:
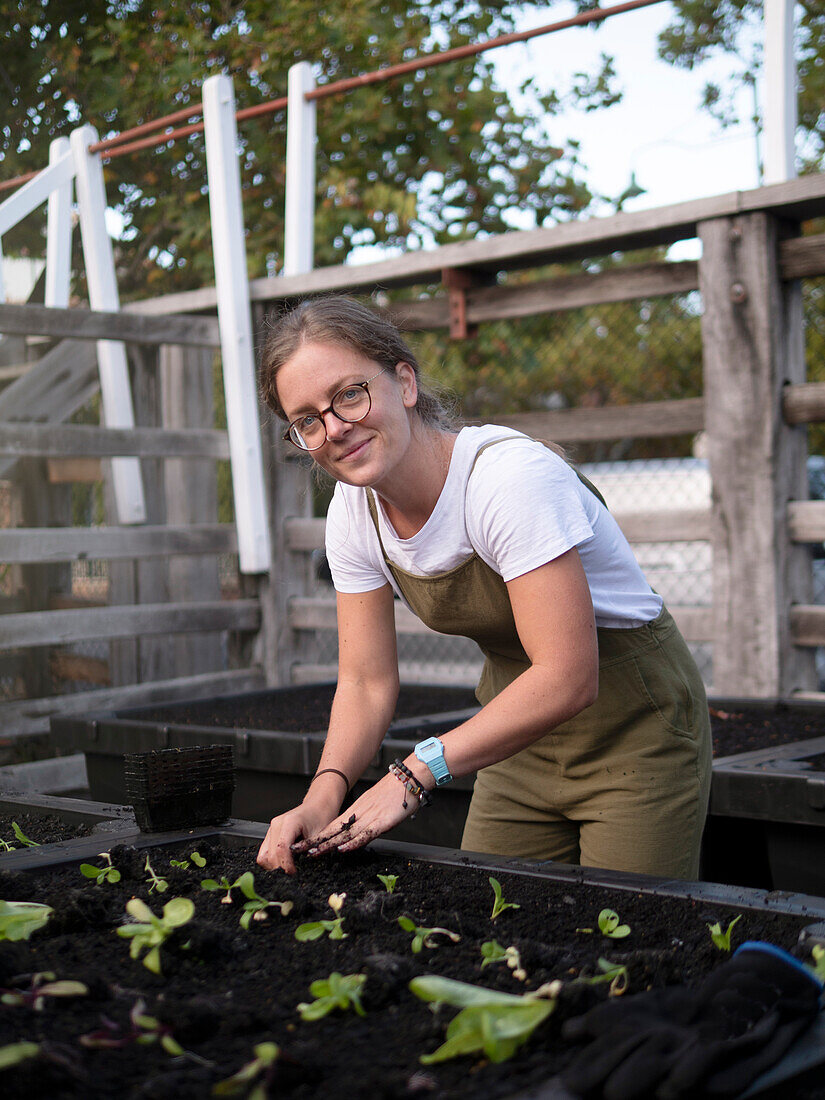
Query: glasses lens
{"type": "Point", "coordinates": [351, 404]}
{"type": "Point", "coordinates": [308, 433]}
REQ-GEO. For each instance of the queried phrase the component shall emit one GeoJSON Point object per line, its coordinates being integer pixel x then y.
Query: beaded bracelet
{"type": "Point", "coordinates": [410, 783]}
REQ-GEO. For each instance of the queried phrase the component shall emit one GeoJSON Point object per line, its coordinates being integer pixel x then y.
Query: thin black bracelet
{"type": "Point", "coordinates": [337, 772]}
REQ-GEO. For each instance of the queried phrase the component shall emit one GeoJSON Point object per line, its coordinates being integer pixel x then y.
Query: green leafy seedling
{"type": "Point", "coordinates": [314, 929]}
{"type": "Point", "coordinates": [151, 932]}
{"type": "Point", "coordinates": [255, 908]}
{"type": "Point", "coordinates": [337, 991]}
{"type": "Point", "coordinates": [143, 1030]}
{"type": "Point", "coordinates": [252, 1081]}
{"type": "Point", "coordinates": [15, 1053]}
{"type": "Point", "coordinates": [389, 882]}
{"type": "Point", "coordinates": [423, 937]}
{"type": "Point", "coordinates": [21, 836]}
{"type": "Point", "coordinates": [155, 881]}
{"type": "Point", "coordinates": [101, 874]}
{"type": "Point", "coordinates": [183, 864]}
{"type": "Point", "coordinates": [499, 904]}
{"type": "Point", "coordinates": [608, 921]}
{"type": "Point", "coordinates": [496, 1024]}
{"type": "Point", "coordinates": [41, 986]}
{"type": "Point", "coordinates": [19, 919]}
{"type": "Point", "coordinates": [614, 973]}
{"type": "Point", "coordinates": [224, 884]}
{"type": "Point", "coordinates": [493, 952]}
{"type": "Point", "coordinates": [722, 939]}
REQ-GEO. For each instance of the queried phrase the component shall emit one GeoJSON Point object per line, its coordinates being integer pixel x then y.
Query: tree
{"type": "Point", "coordinates": [435, 156]}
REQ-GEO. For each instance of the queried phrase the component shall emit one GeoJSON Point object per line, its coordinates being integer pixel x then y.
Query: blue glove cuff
{"type": "Point", "coordinates": [783, 955]}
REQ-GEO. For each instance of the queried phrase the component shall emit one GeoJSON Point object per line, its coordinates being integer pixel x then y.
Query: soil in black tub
{"type": "Point", "coordinates": [223, 989]}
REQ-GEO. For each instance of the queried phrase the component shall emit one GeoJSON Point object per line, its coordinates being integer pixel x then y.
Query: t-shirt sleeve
{"type": "Point", "coordinates": [351, 560]}
{"type": "Point", "coordinates": [524, 508]}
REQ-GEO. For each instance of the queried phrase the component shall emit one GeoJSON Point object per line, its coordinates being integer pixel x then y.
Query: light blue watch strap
{"type": "Point", "coordinates": [431, 753]}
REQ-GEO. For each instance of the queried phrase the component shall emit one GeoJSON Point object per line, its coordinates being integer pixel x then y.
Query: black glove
{"type": "Point", "coordinates": [710, 1042]}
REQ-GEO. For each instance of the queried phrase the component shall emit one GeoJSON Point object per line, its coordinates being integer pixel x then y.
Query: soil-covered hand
{"type": "Point", "coordinates": [377, 810]}
{"type": "Point", "coordinates": [278, 844]}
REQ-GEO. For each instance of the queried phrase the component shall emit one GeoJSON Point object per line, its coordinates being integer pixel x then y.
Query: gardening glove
{"type": "Point", "coordinates": [711, 1041]}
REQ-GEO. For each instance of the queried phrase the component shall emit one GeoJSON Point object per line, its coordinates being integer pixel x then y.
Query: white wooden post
{"type": "Point", "coordinates": [59, 233]}
{"type": "Point", "coordinates": [780, 110]}
{"type": "Point", "coordinates": [235, 319]}
{"type": "Point", "coordinates": [299, 233]}
{"type": "Point", "coordinates": [2, 284]}
{"type": "Point", "coordinates": [111, 356]}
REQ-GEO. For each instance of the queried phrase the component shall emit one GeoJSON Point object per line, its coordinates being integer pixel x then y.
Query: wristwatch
{"type": "Point", "coordinates": [431, 753]}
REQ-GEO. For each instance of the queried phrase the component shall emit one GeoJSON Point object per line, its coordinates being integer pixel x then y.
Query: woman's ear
{"type": "Point", "coordinates": [408, 382]}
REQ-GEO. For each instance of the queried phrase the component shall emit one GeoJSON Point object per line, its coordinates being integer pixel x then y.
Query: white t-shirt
{"type": "Point", "coordinates": [522, 507]}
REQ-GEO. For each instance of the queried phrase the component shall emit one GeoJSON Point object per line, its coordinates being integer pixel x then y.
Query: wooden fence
{"type": "Point", "coordinates": [167, 622]}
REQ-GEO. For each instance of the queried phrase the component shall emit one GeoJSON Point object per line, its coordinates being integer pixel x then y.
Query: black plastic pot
{"type": "Point", "coordinates": [275, 754]}
{"type": "Point", "coordinates": [807, 1053]}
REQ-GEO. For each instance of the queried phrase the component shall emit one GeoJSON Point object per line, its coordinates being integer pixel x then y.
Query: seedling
{"type": "Point", "coordinates": [143, 1030]}
{"type": "Point", "coordinates": [151, 932]}
{"type": "Point", "coordinates": [609, 926]}
{"type": "Point", "coordinates": [41, 986]}
{"type": "Point", "coordinates": [337, 991]}
{"type": "Point", "coordinates": [722, 939]}
{"type": "Point", "coordinates": [155, 881]}
{"type": "Point", "coordinates": [423, 937]}
{"type": "Point", "coordinates": [255, 908]}
{"type": "Point", "coordinates": [818, 953]}
{"type": "Point", "coordinates": [252, 1081]}
{"type": "Point", "coordinates": [615, 973]}
{"type": "Point", "coordinates": [496, 1024]}
{"type": "Point", "coordinates": [101, 874]}
{"type": "Point", "coordinates": [183, 864]}
{"type": "Point", "coordinates": [493, 952]}
{"type": "Point", "coordinates": [314, 929]}
{"type": "Point", "coordinates": [18, 919]}
{"type": "Point", "coordinates": [224, 884]}
{"type": "Point", "coordinates": [389, 882]}
{"type": "Point", "coordinates": [499, 905]}
{"type": "Point", "coordinates": [5, 846]}
{"type": "Point", "coordinates": [15, 1053]}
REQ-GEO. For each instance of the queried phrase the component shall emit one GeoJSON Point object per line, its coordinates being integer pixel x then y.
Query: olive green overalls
{"type": "Point", "coordinates": [625, 783]}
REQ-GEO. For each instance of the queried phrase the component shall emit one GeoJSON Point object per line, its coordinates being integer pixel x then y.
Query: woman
{"type": "Point", "coordinates": [593, 741]}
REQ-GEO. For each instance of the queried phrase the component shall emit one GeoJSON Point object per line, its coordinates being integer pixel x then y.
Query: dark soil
{"type": "Point", "coordinates": [746, 729]}
{"type": "Point", "coordinates": [45, 829]}
{"type": "Point", "coordinates": [224, 989]}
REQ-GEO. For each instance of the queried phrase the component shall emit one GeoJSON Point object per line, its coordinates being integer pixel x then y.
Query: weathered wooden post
{"type": "Point", "coordinates": [753, 346]}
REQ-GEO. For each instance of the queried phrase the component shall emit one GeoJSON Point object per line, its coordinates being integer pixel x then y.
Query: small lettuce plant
{"type": "Point", "coordinates": [255, 908]}
{"type": "Point", "coordinates": [253, 1080]}
{"type": "Point", "coordinates": [337, 991]}
{"type": "Point", "coordinates": [493, 952]}
{"type": "Point", "coordinates": [423, 937]}
{"type": "Point", "coordinates": [142, 1030]}
{"type": "Point", "coordinates": [5, 846]}
{"type": "Point", "coordinates": [224, 884]}
{"type": "Point", "coordinates": [499, 904]}
{"type": "Point", "coordinates": [314, 929]}
{"type": "Point", "coordinates": [389, 882]}
{"type": "Point", "coordinates": [19, 919]}
{"type": "Point", "coordinates": [615, 973]}
{"type": "Point", "coordinates": [15, 1053]}
{"type": "Point", "coordinates": [183, 864]}
{"type": "Point", "coordinates": [722, 939]}
{"type": "Point", "coordinates": [42, 986]}
{"type": "Point", "coordinates": [107, 873]}
{"type": "Point", "coordinates": [495, 1024]}
{"type": "Point", "coordinates": [150, 932]}
{"type": "Point", "coordinates": [609, 925]}
{"type": "Point", "coordinates": [155, 881]}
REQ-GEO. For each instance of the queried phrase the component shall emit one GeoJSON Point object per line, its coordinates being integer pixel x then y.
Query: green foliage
{"type": "Point", "coordinates": [495, 1024]}
{"type": "Point", "coordinates": [183, 864]}
{"type": "Point", "coordinates": [15, 1053]}
{"type": "Point", "coordinates": [151, 932]}
{"type": "Point", "coordinates": [608, 921]}
{"type": "Point", "coordinates": [722, 939]}
{"type": "Point", "coordinates": [615, 973]}
{"type": "Point", "coordinates": [143, 1030]}
{"type": "Point", "coordinates": [255, 907]}
{"type": "Point", "coordinates": [389, 882]}
{"type": "Point", "coordinates": [818, 954]}
{"type": "Point", "coordinates": [155, 881]}
{"type": "Point", "coordinates": [252, 1080]}
{"type": "Point", "coordinates": [313, 930]}
{"type": "Point", "coordinates": [423, 937]}
{"type": "Point", "coordinates": [108, 873]}
{"type": "Point", "coordinates": [337, 991]}
{"type": "Point", "coordinates": [493, 952]}
{"type": "Point", "coordinates": [42, 986]}
{"type": "Point", "coordinates": [499, 904]}
{"type": "Point", "coordinates": [6, 846]}
{"type": "Point", "coordinates": [19, 919]}
{"type": "Point", "coordinates": [224, 884]}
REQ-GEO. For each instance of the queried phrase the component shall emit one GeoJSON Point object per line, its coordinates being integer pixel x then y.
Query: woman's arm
{"type": "Point", "coordinates": [555, 622]}
{"type": "Point", "coordinates": [362, 709]}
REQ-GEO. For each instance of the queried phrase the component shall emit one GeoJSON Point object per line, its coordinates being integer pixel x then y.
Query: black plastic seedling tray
{"type": "Point", "coordinates": [806, 1054]}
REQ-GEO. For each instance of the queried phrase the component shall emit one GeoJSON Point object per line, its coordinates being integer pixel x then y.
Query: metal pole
{"type": "Point", "coordinates": [780, 112]}
{"type": "Point", "coordinates": [299, 234]}
{"type": "Point", "coordinates": [59, 234]}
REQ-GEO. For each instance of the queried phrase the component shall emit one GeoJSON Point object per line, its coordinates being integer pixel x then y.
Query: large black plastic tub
{"type": "Point", "coordinates": [806, 1054]}
{"type": "Point", "coordinates": [277, 737]}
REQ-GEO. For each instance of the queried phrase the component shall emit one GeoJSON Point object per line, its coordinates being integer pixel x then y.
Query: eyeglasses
{"type": "Point", "coordinates": [351, 404]}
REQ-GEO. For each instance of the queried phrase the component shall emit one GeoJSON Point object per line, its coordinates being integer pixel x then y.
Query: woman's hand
{"type": "Point", "coordinates": [377, 810]}
{"type": "Point", "coordinates": [283, 831]}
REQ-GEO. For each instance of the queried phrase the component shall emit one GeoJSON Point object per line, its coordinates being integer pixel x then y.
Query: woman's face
{"type": "Point", "coordinates": [366, 452]}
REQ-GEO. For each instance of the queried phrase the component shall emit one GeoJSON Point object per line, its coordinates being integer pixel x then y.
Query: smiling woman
{"type": "Point", "coordinates": [593, 741]}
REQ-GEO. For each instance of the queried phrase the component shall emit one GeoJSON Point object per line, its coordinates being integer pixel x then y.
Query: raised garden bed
{"type": "Point", "coordinates": [233, 988]}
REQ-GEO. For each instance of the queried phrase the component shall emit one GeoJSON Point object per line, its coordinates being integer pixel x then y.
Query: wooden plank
{"type": "Point", "coordinates": [74, 666]}
{"type": "Point", "coordinates": [64, 471]}
{"type": "Point", "coordinates": [87, 324]}
{"type": "Point", "coordinates": [806, 520]}
{"type": "Point", "coordinates": [40, 544]}
{"type": "Point", "coordinates": [803, 403]}
{"type": "Point", "coordinates": [302, 534]}
{"type": "Point", "coordinates": [60, 441]}
{"type": "Point", "coordinates": [807, 623]}
{"type": "Point", "coordinates": [59, 627]}
{"type": "Point", "coordinates": [32, 715]}
{"type": "Point", "coordinates": [411, 672]}
{"type": "Point", "coordinates": [802, 256]}
{"type": "Point", "coordinates": [751, 331]}
{"type": "Point", "coordinates": [798, 200]}
{"type": "Point", "coordinates": [649, 420]}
